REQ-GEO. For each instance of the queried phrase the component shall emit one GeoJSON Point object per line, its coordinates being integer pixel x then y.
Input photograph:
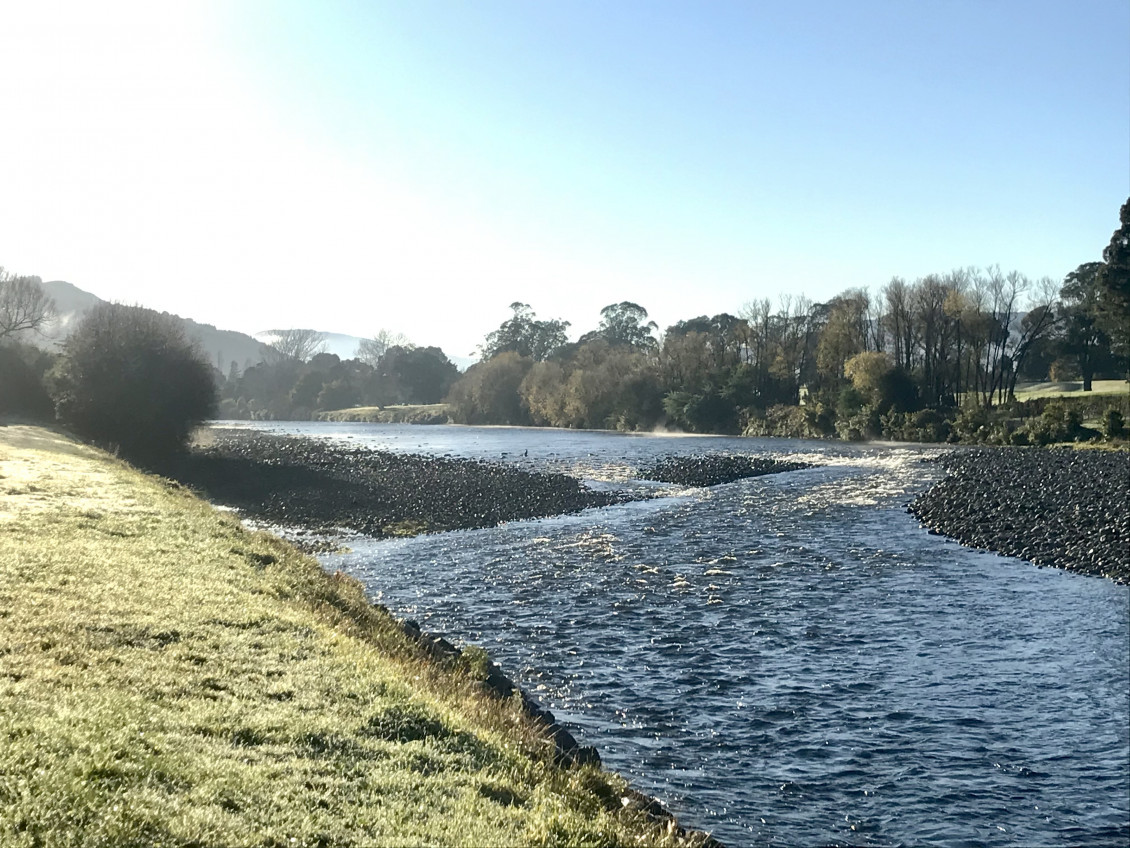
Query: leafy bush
{"type": "Point", "coordinates": [926, 425]}
{"type": "Point", "coordinates": [973, 424]}
{"type": "Point", "coordinates": [22, 392]}
{"type": "Point", "coordinates": [859, 426]}
{"type": "Point", "coordinates": [793, 422]}
{"type": "Point", "coordinates": [702, 412]}
{"type": "Point", "coordinates": [1113, 424]}
{"type": "Point", "coordinates": [130, 379]}
{"type": "Point", "coordinates": [1058, 423]}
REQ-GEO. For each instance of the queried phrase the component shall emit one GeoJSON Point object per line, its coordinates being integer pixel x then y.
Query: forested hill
{"type": "Point", "coordinates": [221, 347]}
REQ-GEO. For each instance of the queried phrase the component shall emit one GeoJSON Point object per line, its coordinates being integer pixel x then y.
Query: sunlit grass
{"type": "Point", "coordinates": [1029, 391]}
{"type": "Point", "coordinates": [169, 678]}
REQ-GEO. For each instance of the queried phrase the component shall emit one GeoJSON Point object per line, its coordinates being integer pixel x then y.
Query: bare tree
{"type": "Point", "coordinates": [937, 334]}
{"type": "Point", "coordinates": [24, 305]}
{"type": "Point", "coordinates": [795, 329]}
{"type": "Point", "coordinates": [1040, 320]}
{"type": "Point", "coordinates": [371, 350]}
{"type": "Point", "coordinates": [758, 317]}
{"type": "Point", "coordinates": [302, 345]}
{"type": "Point", "coordinates": [898, 321]}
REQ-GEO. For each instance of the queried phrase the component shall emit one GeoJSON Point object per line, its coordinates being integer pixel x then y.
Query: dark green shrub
{"type": "Point", "coordinates": [1019, 437]}
{"type": "Point", "coordinates": [864, 424]}
{"type": "Point", "coordinates": [130, 379]}
{"type": "Point", "coordinates": [930, 425]}
{"type": "Point", "coordinates": [706, 412]}
{"type": "Point", "coordinates": [1113, 424]}
{"type": "Point", "coordinates": [1058, 423]}
{"type": "Point", "coordinates": [813, 421]}
{"type": "Point", "coordinates": [897, 391]}
{"type": "Point", "coordinates": [972, 425]}
{"type": "Point", "coordinates": [22, 392]}
{"type": "Point", "coordinates": [926, 425]}
{"type": "Point", "coordinates": [849, 402]}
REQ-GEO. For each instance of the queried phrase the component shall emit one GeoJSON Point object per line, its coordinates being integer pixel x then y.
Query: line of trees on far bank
{"type": "Point", "coordinates": [928, 360]}
{"type": "Point", "coordinates": [931, 359]}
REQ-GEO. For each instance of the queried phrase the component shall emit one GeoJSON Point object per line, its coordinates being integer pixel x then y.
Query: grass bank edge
{"type": "Point", "coordinates": [169, 677]}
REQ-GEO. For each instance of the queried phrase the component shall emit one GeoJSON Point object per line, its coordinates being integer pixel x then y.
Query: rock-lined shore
{"type": "Point", "coordinates": [568, 751]}
{"type": "Point", "coordinates": [322, 487]}
{"type": "Point", "coordinates": [1057, 507]}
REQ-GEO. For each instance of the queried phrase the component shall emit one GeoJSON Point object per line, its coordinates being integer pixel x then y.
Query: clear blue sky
{"type": "Point", "coordinates": [419, 165]}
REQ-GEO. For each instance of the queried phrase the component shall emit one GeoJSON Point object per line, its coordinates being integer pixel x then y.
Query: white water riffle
{"type": "Point", "coordinates": [789, 659]}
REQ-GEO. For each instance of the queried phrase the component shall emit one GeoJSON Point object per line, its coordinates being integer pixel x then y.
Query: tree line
{"type": "Point", "coordinates": [297, 382]}
{"type": "Point", "coordinates": [931, 359]}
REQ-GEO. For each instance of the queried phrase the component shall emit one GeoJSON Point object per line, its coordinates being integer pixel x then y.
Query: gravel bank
{"type": "Point", "coordinates": [713, 469]}
{"type": "Point", "coordinates": [310, 484]}
{"type": "Point", "coordinates": [1058, 507]}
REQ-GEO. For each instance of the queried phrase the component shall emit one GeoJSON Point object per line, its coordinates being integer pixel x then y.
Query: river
{"type": "Point", "coordinates": [786, 660]}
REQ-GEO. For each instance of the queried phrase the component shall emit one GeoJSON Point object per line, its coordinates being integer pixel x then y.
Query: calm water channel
{"type": "Point", "coordinates": [787, 660]}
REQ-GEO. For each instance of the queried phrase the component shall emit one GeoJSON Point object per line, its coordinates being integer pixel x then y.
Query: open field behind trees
{"type": "Point", "coordinates": [1028, 391]}
{"type": "Point", "coordinates": [168, 677]}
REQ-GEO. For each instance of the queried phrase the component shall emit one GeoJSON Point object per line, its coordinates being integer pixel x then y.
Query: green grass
{"type": "Point", "coordinates": [170, 678]}
{"type": "Point", "coordinates": [1028, 391]}
{"type": "Point", "coordinates": [403, 414]}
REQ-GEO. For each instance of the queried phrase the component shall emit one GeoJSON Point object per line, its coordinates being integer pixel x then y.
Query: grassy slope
{"type": "Point", "coordinates": [167, 677]}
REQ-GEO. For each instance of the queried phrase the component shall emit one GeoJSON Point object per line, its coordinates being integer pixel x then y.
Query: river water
{"type": "Point", "coordinates": [787, 660]}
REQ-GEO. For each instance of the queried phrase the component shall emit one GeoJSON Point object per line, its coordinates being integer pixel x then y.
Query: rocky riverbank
{"type": "Point", "coordinates": [323, 487]}
{"type": "Point", "coordinates": [568, 752]}
{"type": "Point", "coordinates": [1057, 507]}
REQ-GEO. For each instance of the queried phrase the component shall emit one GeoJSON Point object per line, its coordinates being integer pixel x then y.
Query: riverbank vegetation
{"type": "Point", "coordinates": [937, 359]}
{"type": "Point", "coordinates": [406, 413]}
{"type": "Point", "coordinates": [943, 358]}
{"type": "Point", "coordinates": [168, 677]}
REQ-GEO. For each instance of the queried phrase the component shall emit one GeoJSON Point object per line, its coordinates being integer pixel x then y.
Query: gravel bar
{"type": "Point", "coordinates": [1052, 506]}
{"type": "Point", "coordinates": [323, 487]}
{"type": "Point", "coordinates": [714, 469]}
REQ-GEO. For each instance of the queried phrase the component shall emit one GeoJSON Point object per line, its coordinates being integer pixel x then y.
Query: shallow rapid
{"type": "Point", "coordinates": [789, 659]}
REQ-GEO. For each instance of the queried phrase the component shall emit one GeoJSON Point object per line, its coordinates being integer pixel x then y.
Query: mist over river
{"type": "Point", "coordinates": [789, 659]}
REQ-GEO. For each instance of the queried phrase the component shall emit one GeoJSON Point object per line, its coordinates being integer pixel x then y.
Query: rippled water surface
{"type": "Point", "coordinates": [787, 660]}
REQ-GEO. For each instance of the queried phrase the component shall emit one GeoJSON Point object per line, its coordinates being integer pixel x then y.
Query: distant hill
{"type": "Point", "coordinates": [71, 304]}
{"type": "Point", "coordinates": [222, 347]}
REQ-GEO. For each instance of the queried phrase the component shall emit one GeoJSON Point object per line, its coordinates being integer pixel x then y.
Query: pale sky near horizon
{"type": "Point", "coordinates": [419, 165]}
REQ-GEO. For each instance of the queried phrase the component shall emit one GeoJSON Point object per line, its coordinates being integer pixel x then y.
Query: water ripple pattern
{"type": "Point", "coordinates": [789, 660]}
